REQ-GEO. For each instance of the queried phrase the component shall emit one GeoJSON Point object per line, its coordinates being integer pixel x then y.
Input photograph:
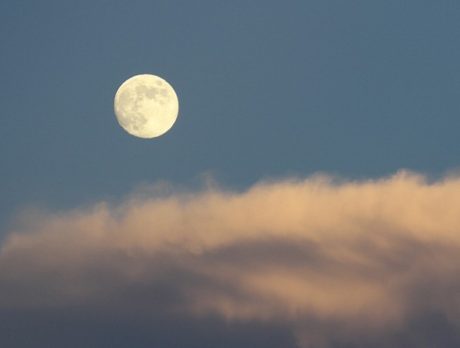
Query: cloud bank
{"type": "Point", "coordinates": [325, 262]}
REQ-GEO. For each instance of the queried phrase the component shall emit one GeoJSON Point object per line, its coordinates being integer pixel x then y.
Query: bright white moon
{"type": "Point", "coordinates": [146, 106]}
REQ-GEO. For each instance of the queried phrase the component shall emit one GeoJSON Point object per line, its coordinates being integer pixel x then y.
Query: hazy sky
{"type": "Point", "coordinates": [268, 90]}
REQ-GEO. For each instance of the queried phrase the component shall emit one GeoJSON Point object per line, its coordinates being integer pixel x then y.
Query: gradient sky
{"type": "Point", "coordinates": [267, 89]}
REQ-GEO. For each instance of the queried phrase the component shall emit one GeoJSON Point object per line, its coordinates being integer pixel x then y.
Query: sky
{"type": "Point", "coordinates": [307, 196]}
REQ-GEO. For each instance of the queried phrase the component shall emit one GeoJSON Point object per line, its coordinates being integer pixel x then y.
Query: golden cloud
{"type": "Point", "coordinates": [360, 254]}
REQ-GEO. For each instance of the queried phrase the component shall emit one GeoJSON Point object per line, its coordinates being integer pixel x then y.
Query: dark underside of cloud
{"type": "Point", "coordinates": [294, 263]}
{"type": "Point", "coordinates": [89, 327]}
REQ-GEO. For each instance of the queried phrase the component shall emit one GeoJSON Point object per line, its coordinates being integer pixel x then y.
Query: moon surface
{"type": "Point", "coordinates": [146, 106]}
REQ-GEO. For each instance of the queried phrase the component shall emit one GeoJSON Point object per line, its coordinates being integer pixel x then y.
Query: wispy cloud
{"type": "Point", "coordinates": [336, 262]}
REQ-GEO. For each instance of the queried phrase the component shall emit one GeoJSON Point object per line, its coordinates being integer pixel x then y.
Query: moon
{"type": "Point", "coordinates": [146, 106]}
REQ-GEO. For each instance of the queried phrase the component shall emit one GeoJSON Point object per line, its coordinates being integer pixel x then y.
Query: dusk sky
{"type": "Point", "coordinates": [308, 194]}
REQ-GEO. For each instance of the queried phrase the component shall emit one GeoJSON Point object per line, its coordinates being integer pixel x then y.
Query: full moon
{"type": "Point", "coordinates": [146, 106]}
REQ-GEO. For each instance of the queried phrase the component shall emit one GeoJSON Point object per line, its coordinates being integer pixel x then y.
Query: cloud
{"type": "Point", "coordinates": [330, 262]}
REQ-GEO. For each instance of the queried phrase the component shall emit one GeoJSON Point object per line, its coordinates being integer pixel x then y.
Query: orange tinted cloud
{"type": "Point", "coordinates": [358, 255]}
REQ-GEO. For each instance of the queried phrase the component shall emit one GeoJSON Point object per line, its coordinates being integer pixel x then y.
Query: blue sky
{"type": "Point", "coordinates": [356, 89]}
{"type": "Point", "coordinates": [267, 90]}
